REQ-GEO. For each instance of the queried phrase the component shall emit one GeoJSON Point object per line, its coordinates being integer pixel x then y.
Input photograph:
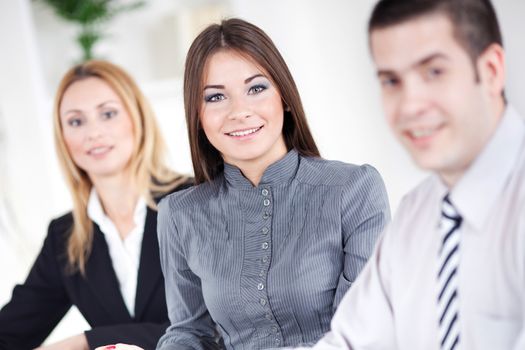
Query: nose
{"type": "Point", "coordinates": [94, 131]}
{"type": "Point", "coordinates": [414, 101]}
{"type": "Point", "coordinates": [239, 108]}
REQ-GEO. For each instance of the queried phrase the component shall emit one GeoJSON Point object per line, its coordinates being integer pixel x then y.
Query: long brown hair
{"type": "Point", "coordinates": [150, 174]}
{"type": "Point", "coordinates": [250, 41]}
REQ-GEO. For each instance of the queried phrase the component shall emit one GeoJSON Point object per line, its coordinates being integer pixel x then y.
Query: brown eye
{"type": "Point", "coordinates": [74, 122]}
{"type": "Point", "coordinates": [109, 114]}
{"type": "Point", "coordinates": [389, 82]}
{"type": "Point", "coordinates": [433, 73]}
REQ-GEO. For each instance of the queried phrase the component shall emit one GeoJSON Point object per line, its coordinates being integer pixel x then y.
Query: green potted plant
{"type": "Point", "coordinates": [90, 16]}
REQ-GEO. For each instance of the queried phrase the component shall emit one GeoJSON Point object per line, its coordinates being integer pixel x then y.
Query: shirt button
{"type": "Point", "coordinates": [269, 317]}
{"type": "Point", "coordinates": [264, 245]}
{"type": "Point", "coordinates": [260, 286]}
{"type": "Point", "coordinates": [264, 192]}
{"type": "Point", "coordinates": [277, 341]}
{"type": "Point", "coordinates": [274, 329]}
{"type": "Point", "coordinates": [265, 230]}
{"type": "Point", "coordinates": [266, 202]}
{"type": "Point", "coordinates": [265, 259]}
{"type": "Point", "coordinates": [263, 302]}
{"type": "Point", "coordinates": [265, 216]}
{"type": "Point", "coordinates": [262, 272]}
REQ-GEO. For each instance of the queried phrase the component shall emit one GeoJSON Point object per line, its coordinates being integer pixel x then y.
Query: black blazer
{"type": "Point", "coordinates": [39, 304]}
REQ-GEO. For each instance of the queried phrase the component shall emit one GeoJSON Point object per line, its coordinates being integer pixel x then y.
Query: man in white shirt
{"type": "Point", "coordinates": [449, 272]}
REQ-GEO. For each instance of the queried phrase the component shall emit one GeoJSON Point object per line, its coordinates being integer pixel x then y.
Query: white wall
{"type": "Point", "coordinates": [324, 43]}
{"type": "Point", "coordinates": [26, 182]}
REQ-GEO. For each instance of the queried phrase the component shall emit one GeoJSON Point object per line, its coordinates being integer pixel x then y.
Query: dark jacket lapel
{"type": "Point", "coordinates": [102, 279]}
{"type": "Point", "coordinates": [150, 274]}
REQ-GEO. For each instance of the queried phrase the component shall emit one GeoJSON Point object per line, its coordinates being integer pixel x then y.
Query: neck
{"type": "Point", "coordinates": [253, 169]}
{"type": "Point", "coordinates": [118, 196]}
{"type": "Point", "coordinates": [451, 178]}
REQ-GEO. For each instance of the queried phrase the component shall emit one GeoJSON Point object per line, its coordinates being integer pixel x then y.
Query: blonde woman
{"type": "Point", "coordinates": [102, 257]}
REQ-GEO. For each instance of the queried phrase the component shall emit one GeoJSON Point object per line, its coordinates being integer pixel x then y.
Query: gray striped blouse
{"type": "Point", "coordinates": [266, 266]}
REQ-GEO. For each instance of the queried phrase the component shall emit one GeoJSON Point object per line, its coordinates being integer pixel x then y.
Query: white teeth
{"type": "Point", "coordinates": [244, 132]}
{"type": "Point", "coordinates": [98, 150]}
{"type": "Point", "coordinates": [421, 133]}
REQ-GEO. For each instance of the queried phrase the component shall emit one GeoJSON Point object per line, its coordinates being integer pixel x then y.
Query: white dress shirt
{"type": "Point", "coordinates": [393, 303]}
{"type": "Point", "coordinates": [125, 254]}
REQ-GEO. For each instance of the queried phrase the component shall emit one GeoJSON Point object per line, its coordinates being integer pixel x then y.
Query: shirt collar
{"type": "Point", "coordinates": [282, 171]}
{"type": "Point", "coordinates": [96, 212]}
{"type": "Point", "coordinates": [490, 171]}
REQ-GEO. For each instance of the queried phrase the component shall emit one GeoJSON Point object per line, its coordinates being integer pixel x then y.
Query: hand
{"type": "Point", "coordinates": [76, 342]}
{"type": "Point", "coordinates": [119, 346]}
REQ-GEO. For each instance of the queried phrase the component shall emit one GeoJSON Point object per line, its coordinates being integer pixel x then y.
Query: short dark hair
{"type": "Point", "coordinates": [250, 41]}
{"type": "Point", "coordinates": [474, 21]}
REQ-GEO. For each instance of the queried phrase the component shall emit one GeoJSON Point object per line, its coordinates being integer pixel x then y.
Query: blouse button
{"type": "Point", "coordinates": [262, 301]}
{"type": "Point", "coordinates": [269, 317]}
{"type": "Point", "coordinates": [266, 216]}
{"type": "Point", "coordinates": [274, 329]}
{"type": "Point", "coordinates": [265, 230]}
{"type": "Point", "coordinates": [264, 192]}
{"type": "Point", "coordinates": [260, 286]}
{"type": "Point", "coordinates": [277, 341]}
{"type": "Point", "coordinates": [264, 245]}
{"type": "Point", "coordinates": [266, 202]}
{"type": "Point", "coordinates": [265, 259]}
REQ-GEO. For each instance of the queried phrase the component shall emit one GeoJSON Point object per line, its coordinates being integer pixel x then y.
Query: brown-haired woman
{"type": "Point", "coordinates": [264, 248]}
{"type": "Point", "coordinates": [102, 257]}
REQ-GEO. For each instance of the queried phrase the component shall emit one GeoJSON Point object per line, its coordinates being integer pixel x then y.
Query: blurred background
{"type": "Point", "coordinates": [323, 42]}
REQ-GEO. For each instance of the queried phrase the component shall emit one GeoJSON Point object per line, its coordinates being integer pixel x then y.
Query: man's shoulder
{"type": "Point", "coordinates": [418, 206]}
{"type": "Point", "coordinates": [420, 194]}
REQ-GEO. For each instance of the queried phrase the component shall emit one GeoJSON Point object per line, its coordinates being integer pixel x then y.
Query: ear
{"type": "Point", "coordinates": [491, 68]}
{"type": "Point", "coordinates": [286, 108]}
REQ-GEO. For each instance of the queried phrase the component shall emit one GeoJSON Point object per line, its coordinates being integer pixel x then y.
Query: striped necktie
{"type": "Point", "coordinates": [448, 298]}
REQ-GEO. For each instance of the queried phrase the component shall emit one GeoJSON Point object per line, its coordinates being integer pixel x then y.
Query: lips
{"type": "Point", "coordinates": [99, 150]}
{"type": "Point", "coordinates": [244, 132]}
{"type": "Point", "coordinates": [422, 135]}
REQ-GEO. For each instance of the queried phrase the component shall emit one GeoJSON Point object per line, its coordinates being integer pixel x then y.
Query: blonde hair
{"type": "Point", "coordinates": [150, 174]}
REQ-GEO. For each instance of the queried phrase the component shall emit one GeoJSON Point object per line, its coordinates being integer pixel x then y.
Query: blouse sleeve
{"type": "Point", "coordinates": [191, 324]}
{"type": "Point", "coordinates": [364, 319]}
{"type": "Point", "coordinates": [364, 214]}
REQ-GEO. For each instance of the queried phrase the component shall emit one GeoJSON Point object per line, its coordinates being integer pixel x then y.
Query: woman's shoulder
{"type": "Point", "coordinates": [61, 224]}
{"type": "Point", "coordinates": [187, 183]}
{"type": "Point", "coordinates": [58, 232]}
{"type": "Point", "coordinates": [191, 196]}
{"type": "Point", "coordinates": [336, 173]}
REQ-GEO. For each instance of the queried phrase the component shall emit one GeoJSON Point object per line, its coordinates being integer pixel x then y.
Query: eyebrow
{"type": "Point", "coordinates": [72, 111]}
{"type": "Point", "coordinates": [246, 81]}
{"type": "Point", "coordinates": [106, 102]}
{"type": "Point", "coordinates": [100, 105]}
{"type": "Point", "coordinates": [424, 61]}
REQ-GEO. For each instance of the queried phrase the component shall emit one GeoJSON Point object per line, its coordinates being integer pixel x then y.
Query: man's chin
{"type": "Point", "coordinates": [426, 162]}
